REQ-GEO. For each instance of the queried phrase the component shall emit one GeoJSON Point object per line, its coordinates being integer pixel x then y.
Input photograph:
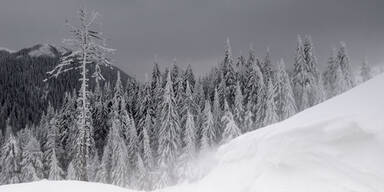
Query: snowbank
{"type": "Point", "coordinates": [61, 186]}
{"type": "Point", "coordinates": [335, 146]}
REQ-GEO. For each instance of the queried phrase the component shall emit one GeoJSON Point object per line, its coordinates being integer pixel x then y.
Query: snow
{"type": "Point", "coordinates": [336, 146]}
{"type": "Point", "coordinates": [42, 50]}
{"type": "Point", "coordinates": [6, 49]}
{"type": "Point", "coordinates": [61, 186]}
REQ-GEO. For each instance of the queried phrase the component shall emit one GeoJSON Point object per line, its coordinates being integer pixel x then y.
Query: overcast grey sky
{"type": "Point", "coordinates": [194, 31]}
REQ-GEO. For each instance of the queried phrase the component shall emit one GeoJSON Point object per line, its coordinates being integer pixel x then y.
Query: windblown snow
{"type": "Point", "coordinates": [336, 146]}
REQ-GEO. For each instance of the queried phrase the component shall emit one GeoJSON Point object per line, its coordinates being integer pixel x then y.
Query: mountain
{"type": "Point", "coordinates": [336, 146]}
{"type": "Point", "coordinates": [23, 94]}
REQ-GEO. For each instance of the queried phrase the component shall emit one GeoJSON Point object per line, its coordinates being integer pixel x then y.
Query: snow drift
{"type": "Point", "coordinates": [335, 146]}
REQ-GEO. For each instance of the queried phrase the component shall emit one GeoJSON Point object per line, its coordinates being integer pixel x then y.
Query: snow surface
{"type": "Point", "coordinates": [336, 146]}
{"type": "Point", "coordinates": [61, 186]}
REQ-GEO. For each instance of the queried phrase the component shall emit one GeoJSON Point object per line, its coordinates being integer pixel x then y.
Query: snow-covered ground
{"type": "Point", "coordinates": [337, 146]}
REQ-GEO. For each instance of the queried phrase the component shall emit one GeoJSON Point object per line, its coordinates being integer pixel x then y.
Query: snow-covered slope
{"type": "Point", "coordinates": [61, 186]}
{"type": "Point", "coordinates": [336, 146]}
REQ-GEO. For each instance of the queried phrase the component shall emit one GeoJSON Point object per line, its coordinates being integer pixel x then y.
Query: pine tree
{"type": "Point", "coordinates": [49, 146]}
{"type": "Point", "coordinates": [365, 71]}
{"type": "Point", "coordinates": [285, 101]}
{"type": "Point", "coordinates": [217, 114]}
{"type": "Point", "coordinates": [231, 130]}
{"type": "Point", "coordinates": [302, 79]}
{"type": "Point", "coordinates": [114, 161]}
{"type": "Point", "coordinates": [266, 67]}
{"type": "Point", "coordinates": [189, 77]}
{"type": "Point", "coordinates": [88, 49]}
{"type": "Point", "coordinates": [316, 94]}
{"type": "Point", "coordinates": [55, 171]}
{"type": "Point", "coordinates": [146, 149]}
{"type": "Point", "coordinates": [71, 172]}
{"type": "Point", "coordinates": [169, 133]}
{"type": "Point", "coordinates": [132, 144]}
{"type": "Point", "coordinates": [334, 82]}
{"type": "Point", "coordinates": [254, 94]}
{"type": "Point", "coordinates": [185, 170]}
{"type": "Point", "coordinates": [345, 66]}
{"type": "Point", "coordinates": [270, 115]}
{"type": "Point", "coordinates": [228, 76]}
{"type": "Point", "coordinates": [188, 105]}
{"type": "Point", "coordinates": [208, 128]}
{"type": "Point", "coordinates": [31, 166]}
{"type": "Point", "coordinates": [10, 156]}
{"type": "Point", "coordinates": [238, 111]}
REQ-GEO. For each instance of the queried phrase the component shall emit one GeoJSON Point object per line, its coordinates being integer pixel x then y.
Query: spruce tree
{"type": "Point", "coordinates": [285, 101]}
{"type": "Point", "coordinates": [71, 172]}
{"type": "Point", "coordinates": [114, 161]}
{"type": "Point", "coordinates": [55, 171]}
{"type": "Point", "coordinates": [345, 66]}
{"type": "Point", "coordinates": [316, 93]}
{"type": "Point", "coordinates": [228, 87]}
{"type": "Point", "coordinates": [217, 114]}
{"type": "Point", "coordinates": [365, 71]}
{"type": "Point", "coordinates": [238, 110]}
{"type": "Point", "coordinates": [231, 130]}
{"type": "Point", "coordinates": [302, 79]}
{"type": "Point", "coordinates": [334, 82]}
{"type": "Point", "coordinates": [270, 115]}
{"type": "Point", "coordinates": [208, 128]}
{"type": "Point", "coordinates": [169, 134]}
{"type": "Point", "coordinates": [31, 166]}
{"type": "Point", "coordinates": [10, 159]}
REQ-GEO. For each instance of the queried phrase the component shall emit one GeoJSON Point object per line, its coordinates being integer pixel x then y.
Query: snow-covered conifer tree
{"type": "Point", "coordinates": [31, 166]}
{"type": "Point", "coordinates": [185, 169]}
{"type": "Point", "coordinates": [231, 130]}
{"type": "Point", "coordinates": [189, 76]}
{"type": "Point", "coordinates": [285, 101]}
{"type": "Point", "coordinates": [334, 82]}
{"type": "Point", "coordinates": [266, 67]}
{"type": "Point", "coordinates": [270, 115]}
{"type": "Point", "coordinates": [217, 113]}
{"type": "Point", "coordinates": [228, 76]}
{"type": "Point", "coordinates": [87, 48]}
{"type": "Point", "coordinates": [208, 134]}
{"type": "Point", "coordinates": [365, 71]}
{"type": "Point", "coordinates": [254, 93]}
{"type": "Point", "coordinates": [146, 149]}
{"type": "Point", "coordinates": [238, 108]}
{"type": "Point", "coordinates": [316, 94]}
{"type": "Point", "coordinates": [114, 162]}
{"type": "Point", "coordinates": [301, 78]}
{"type": "Point", "coordinates": [345, 65]}
{"type": "Point", "coordinates": [55, 171]}
{"type": "Point", "coordinates": [10, 159]}
{"type": "Point", "coordinates": [71, 172]}
{"type": "Point", "coordinates": [168, 137]}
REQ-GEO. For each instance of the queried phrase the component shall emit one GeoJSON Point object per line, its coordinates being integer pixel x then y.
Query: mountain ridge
{"type": "Point", "coordinates": [24, 96]}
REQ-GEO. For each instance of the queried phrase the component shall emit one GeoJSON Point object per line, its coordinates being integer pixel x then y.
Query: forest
{"type": "Point", "coordinates": [149, 135]}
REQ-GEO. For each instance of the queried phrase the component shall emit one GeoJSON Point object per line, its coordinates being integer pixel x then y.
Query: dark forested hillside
{"type": "Point", "coordinates": [24, 95]}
